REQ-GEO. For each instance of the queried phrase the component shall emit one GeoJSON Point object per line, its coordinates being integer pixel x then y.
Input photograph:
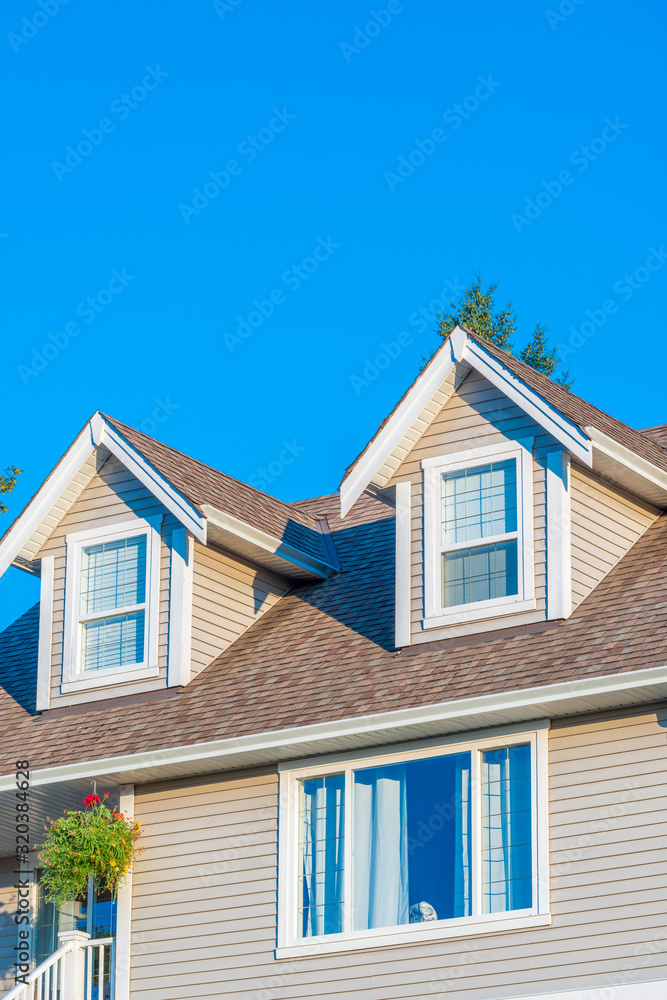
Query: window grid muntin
{"type": "Point", "coordinates": [112, 614]}
{"type": "Point", "coordinates": [476, 750]}
{"type": "Point", "coordinates": [489, 542]}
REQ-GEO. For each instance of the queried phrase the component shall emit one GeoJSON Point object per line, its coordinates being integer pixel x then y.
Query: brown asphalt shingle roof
{"type": "Point", "coordinates": [325, 652]}
{"type": "Point", "coordinates": [202, 484]}
{"type": "Point", "coordinates": [576, 409]}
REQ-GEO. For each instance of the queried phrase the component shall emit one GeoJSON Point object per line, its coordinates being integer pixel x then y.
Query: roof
{"type": "Point", "coordinates": [214, 506]}
{"type": "Point", "coordinates": [643, 443]}
{"type": "Point", "coordinates": [657, 434]}
{"type": "Point", "coordinates": [325, 652]}
{"type": "Point", "coordinates": [577, 409]}
{"type": "Point", "coordinates": [203, 485]}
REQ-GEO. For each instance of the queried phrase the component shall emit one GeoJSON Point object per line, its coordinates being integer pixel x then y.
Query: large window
{"type": "Point", "coordinates": [478, 535]}
{"type": "Point", "coordinates": [111, 603]}
{"type": "Point", "coordinates": [425, 841]}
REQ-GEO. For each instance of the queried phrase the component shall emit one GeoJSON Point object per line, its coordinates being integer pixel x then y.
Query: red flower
{"type": "Point", "coordinates": [91, 800]}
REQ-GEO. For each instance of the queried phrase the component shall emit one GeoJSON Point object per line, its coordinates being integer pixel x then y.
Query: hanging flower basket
{"type": "Point", "coordinates": [97, 841]}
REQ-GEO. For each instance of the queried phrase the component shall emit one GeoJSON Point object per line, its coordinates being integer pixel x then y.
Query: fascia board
{"type": "Point", "coordinates": [267, 543]}
{"type": "Point", "coordinates": [619, 453]}
{"type": "Point", "coordinates": [544, 700]}
{"type": "Point", "coordinates": [426, 384]}
{"type": "Point", "coordinates": [160, 487]}
{"type": "Point", "coordinates": [567, 433]}
{"type": "Point", "coordinates": [46, 496]}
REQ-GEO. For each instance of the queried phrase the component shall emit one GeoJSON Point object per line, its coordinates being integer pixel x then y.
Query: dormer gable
{"type": "Point", "coordinates": [513, 497]}
{"type": "Point", "coordinates": [151, 564]}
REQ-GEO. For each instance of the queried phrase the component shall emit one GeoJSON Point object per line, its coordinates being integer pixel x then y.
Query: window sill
{"type": "Point", "coordinates": [476, 614]}
{"type": "Point", "coordinates": [438, 930]}
{"type": "Point", "coordinates": [105, 678]}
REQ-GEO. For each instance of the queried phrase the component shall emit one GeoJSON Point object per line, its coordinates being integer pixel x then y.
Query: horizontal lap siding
{"type": "Point", "coordinates": [229, 595]}
{"type": "Point", "coordinates": [204, 908]}
{"type": "Point", "coordinates": [8, 935]}
{"type": "Point", "coordinates": [606, 522]}
{"type": "Point", "coordinates": [204, 891]}
{"type": "Point", "coordinates": [112, 496]}
{"type": "Point", "coordinates": [475, 416]}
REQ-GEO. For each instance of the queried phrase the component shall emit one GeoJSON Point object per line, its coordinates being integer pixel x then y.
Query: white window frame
{"type": "Point", "coordinates": [290, 944]}
{"type": "Point", "coordinates": [73, 677]}
{"type": "Point", "coordinates": [435, 616]}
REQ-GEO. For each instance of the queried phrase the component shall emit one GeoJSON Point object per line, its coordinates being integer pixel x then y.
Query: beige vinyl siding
{"type": "Point", "coordinates": [8, 928]}
{"type": "Point", "coordinates": [606, 522]}
{"type": "Point", "coordinates": [229, 594]}
{"type": "Point", "coordinates": [112, 496]}
{"type": "Point", "coordinates": [477, 415]}
{"type": "Point", "coordinates": [204, 893]}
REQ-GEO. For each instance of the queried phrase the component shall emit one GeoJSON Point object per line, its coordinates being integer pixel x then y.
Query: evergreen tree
{"type": "Point", "coordinates": [476, 311]}
{"type": "Point", "coordinates": [7, 483]}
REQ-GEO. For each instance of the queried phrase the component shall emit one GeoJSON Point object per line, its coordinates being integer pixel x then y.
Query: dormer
{"type": "Point", "coordinates": [513, 497]}
{"type": "Point", "coordinates": [151, 564]}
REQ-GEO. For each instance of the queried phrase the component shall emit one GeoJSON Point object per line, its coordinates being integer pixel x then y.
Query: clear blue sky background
{"type": "Point", "coordinates": [554, 83]}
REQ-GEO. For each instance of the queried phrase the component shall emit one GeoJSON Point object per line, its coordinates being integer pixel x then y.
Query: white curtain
{"type": "Point", "coordinates": [497, 832]}
{"type": "Point", "coordinates": [462, 837]}
{"type": "Point", "coordinates": [380, 838]}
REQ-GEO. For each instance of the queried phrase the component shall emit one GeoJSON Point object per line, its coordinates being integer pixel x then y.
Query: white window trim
{"type": "Point", "coordinates": [435, 616]}
{"type": "Point", "coordinates": [289, 944]}
{"type": "Point", "coordinates": [73, 679]}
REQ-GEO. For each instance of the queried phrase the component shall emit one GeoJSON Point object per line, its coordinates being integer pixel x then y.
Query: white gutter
{"type": "Point", "coordinates": [544, 700]}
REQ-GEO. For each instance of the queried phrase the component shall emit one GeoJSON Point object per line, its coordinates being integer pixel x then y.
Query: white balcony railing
{"type": "Point", "coordinates": [81, 969]}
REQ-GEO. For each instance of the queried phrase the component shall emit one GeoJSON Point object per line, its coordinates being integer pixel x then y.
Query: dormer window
{"type": "Point", "coordinates": [478, 534]}
{"type": "Point", "coordinates": [111, 605]}
{"type": "Point", "coordinates": [479, 504]}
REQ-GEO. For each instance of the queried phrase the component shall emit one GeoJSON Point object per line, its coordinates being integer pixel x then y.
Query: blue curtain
{"type": "Point", "coordinates": [380, 867]}
{"type": "Point", "coordinates": [321, 845]}
{"type": "Point", "coordinates": [506, 830]}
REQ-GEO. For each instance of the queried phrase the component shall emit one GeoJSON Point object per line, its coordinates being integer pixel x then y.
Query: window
{"type": "Point", "coordinates": [111, 613]}
{"type": "Point", "coordinates": [478, 534]}
{"type": "Point", "coordinates": [112, 603]}
{"type": "Point", "coordinates": [442, 840]}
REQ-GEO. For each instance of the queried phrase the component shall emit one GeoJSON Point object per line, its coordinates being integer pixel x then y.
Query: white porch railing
{"type": "Point", "coordinates": [81, 969]}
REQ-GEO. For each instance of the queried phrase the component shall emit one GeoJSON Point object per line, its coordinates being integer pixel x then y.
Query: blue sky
{"type": "Point", "coordinates": [258, 199]}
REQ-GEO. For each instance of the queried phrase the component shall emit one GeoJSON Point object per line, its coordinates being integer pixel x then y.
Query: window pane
{"type": "Point", "coordinates": [321, 855]}
{"type": "Point", "coordinates": [479, 574]}
{"type": "Point", "coordinates": [112, 642]}
{"type": "Point", "coordinates": [411, 841]}
{"type": "Point", "coordinates": [479, 502]}
{"type": "Point", "coordinates": [507, 882]}
{"type": "Point", "coordinates": [113, 575]}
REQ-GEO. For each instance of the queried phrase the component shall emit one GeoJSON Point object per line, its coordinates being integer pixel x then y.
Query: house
{"type": "Point", "coordinates": [408, 740]}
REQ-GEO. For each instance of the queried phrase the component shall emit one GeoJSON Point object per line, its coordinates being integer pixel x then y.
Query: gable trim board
{"type": "Point", "coordinates": [459, 716]}
{"type": "Point", "coordinates": [458, 348]}
{"type": "Point", "coordinates": [97, 432]}
{"type": "Point", "coordinates": [161, 488]}
{"type": "Point", "coordinates": [592, 447]}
